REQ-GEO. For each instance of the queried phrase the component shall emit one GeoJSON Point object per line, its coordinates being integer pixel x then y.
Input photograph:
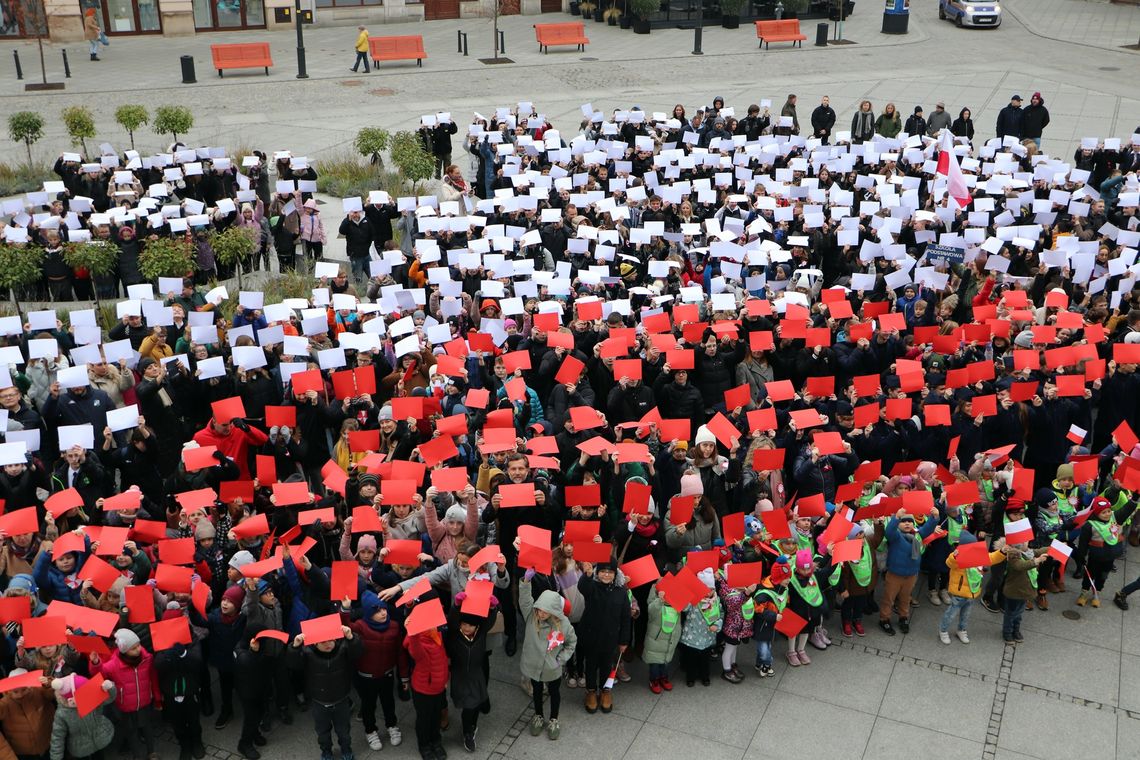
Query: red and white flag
{"type": "Point", "coordinates": [1060, 551]}
{"type": "Point", "coordinates": [1077, 434]}
{"type": "Point", "coordinates": [1019, 531]}
{"type": "Point", "coordinates": [948, 168]}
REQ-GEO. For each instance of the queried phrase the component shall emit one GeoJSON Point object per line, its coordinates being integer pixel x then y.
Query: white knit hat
{"type": "Point", "coordinates": [704, 435]}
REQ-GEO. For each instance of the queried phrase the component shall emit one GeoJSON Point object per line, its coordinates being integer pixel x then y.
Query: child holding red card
{"type": "Point", "coordinates": [662, 635]}
{"type": "Point", "coordinates": [549, 643]}
{"type": "Point", "coordinates": [770, 599]}
{"type": "Point", "coordinates": [76, 736]}
{"type": "Point", "coordinates": [739, 611]}
{"type": "Point", "coordinates": [965, 587]}
{"type": "Point", "coordinates": [703, 621]}
{"type": "Point", "coordinates": [805, 598]}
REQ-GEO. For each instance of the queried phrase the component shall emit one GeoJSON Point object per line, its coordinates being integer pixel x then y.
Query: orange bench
{"type": "Point", "coordinates": [242, 55]}
{"type": "Point", "coordinates": [406, 48]}
{"type": "Point", "coordinates": [784, 30]}
{"type": "Point", "coordinates": [570, 33]}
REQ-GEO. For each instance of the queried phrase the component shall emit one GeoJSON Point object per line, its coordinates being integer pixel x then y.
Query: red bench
{"type": "Point", "coordinates": [406, 48]}
{"type": "Point", "coordinates": [569, 33]}
{"type": "Point", "coordinates": [784, 30]}
{"type": "Point", "coordinates": [242, 55]}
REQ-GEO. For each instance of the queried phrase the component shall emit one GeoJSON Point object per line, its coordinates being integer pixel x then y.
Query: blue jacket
{"type": "Point", "coordinates": [899, 560]}
{"type": "Point", "coordinates": [52, 583]}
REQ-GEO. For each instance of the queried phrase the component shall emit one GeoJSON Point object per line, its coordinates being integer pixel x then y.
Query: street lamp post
{"type": "Point", "coordinates": [301, 72]}
{"type": "Point", "coordinates": [699, 28]}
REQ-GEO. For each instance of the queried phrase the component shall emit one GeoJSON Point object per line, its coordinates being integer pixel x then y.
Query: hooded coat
{"type": "Point", "coordinates": [542, 661]}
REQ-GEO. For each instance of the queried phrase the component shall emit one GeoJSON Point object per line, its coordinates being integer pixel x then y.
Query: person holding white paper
{"type": "Point", "coordinates": [285, 224]}
{"type": "Point", "coordinates": [112, 379]}
{"type": "Point", "coordinates": [312, 231]}
{"type": "Point", "coordinates": [81, 470]}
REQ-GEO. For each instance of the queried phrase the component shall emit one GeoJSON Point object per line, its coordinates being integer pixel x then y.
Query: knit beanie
{"type": "Point", "coordinates": [704, 435]}
{"type": "Point", "coordinates": [692, 485]}
{"type": "Point", "coordinates": [241, 559]}
{"type": "Point", "coordinates": [205, 530]}
{"type": "Point", "coordinates": [126, 640]}
{"type": "Point", "coordinates": [455, 513]}
{"type": "Point", "coordinates": [706, 577]}
{"type": "Point", "coordinates": [235, 595]}
{"type": "Point", "coordinates": [366, 542]}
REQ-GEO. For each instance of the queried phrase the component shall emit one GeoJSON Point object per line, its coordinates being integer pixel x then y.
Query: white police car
{"type": "Point", "coordinates": [971, 12]}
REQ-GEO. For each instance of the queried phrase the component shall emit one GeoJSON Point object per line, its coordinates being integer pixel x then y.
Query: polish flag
{"type": "Point", "coordinates": [948, 168]}
{"type": "Point", "coordinates": [1019, 531]}
{"type": "Point", "coordinates": [1060, 551]}
{"type": "Point", "coordinates": [1077, 434]}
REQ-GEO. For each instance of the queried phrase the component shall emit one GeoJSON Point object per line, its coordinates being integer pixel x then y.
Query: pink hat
{"type": "Point", "coordinates": [804, 560]}
{"type": "Point", "coordinates": [692, 485]}
{"type": "Point", "coordinates": [366, 542]}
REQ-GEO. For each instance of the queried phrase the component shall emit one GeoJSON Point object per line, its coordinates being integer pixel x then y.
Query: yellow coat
{"type": "Point", "coordinates": [362, 41]}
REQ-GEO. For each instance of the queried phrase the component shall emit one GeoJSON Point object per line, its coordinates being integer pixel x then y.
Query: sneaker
{"type": "Point", "coordinates": [469, 742]}
{"type": "Point", "coordinates": [248, 752]}
{"type": "Point", "coordinates": [825, 635]}
{"type": "Point", "coordinates": [887, 627]}
{"type": "Point", "coordinates": [904, 625]}
{"type": "Point", "coordinates": [537, 723]}
{"type": "Point", "coordinates": [731, 676]}
{"type": "Point", "coordinates": [847, 630]}
{"type": "Point", "coordinates": [990, 605]}
{"type": "Point", "coordinates": [553, 730]}
{"type": "Point", "coordinates": [759, 668]}
{"type": "Point", "coordinates": [655, 685]}
{"type": "Point", "coordinates": [859, 630]}
{"type": "Point", "coordinates": [223, 719]}
{"type": "Point", "coordinates": [571, 682]}
{"type": "Point", "coordinates": [394, 736]}
{"type": "Point", "coordinates": [944, 595]}
{"type": "Point", "coordinates": [623, 676]}
{"type": "Point", "coordinates": [804, 659]}
{"type": "Point", "coordinates": [1120, 600]}
{"type": "Point", "coordinates": [794, 659]}
{"type": "Point", "coordinates": [963, 637]}
{"type": "Point", "coordinates": [816, 640]}
{"type": "Point", "coordinates": [1018, 638]}
{"type": "Point", "coordinates": [374, 742]}
{"type": "Point", "coordinates": [944, 637]}
{"type": "Point", "coordinates": [934, 599]}
{"type": "Point", "coordinates": [326, 756]}
{"type": "Point", "coordinates": [767, 671]}
{"type": "Point", "coordinates": [666, 684]}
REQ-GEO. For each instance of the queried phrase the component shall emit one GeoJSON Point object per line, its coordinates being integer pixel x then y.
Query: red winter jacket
{"type": "Point", "coordinates": [137, 686]}
{"type": "Point", "coordinates": [382, 650]}
{"type": "Point", "coordinates": [235, 445]}
{"type": "Point", "coordinates": [431, 673]}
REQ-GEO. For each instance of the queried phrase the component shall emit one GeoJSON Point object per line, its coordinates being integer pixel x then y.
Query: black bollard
{"type": "Point", "coordinates": [19, 71]}
{"type": "Point", "coordinates": [66, 66]}
{"type": "Point", "coordinates": [502, 42]}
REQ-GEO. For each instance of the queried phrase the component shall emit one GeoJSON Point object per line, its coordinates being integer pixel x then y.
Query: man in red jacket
{"type": "Point", "coordinates": [233, 439]}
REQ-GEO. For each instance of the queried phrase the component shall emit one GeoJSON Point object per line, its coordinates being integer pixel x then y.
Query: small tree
{"type": "Point", "coordinates": [97, 257]}
{"type": "Point", "coordinates": [233, 247]}
{"type": "Point", "coordinates": [370, 141]}
{"type": "Point", "coordinates": [173, 119]}
{"type": "Point", "coordinates": [415, 164]}
{"type": "Point", "coordinates": [20, 266]}
{"type": "Point", "coordinates": [166, 257]}
{"type": "Point", "coordinates": [130, 117]}
{"type": "Point", "coordinates": [80, 125]}
{"type": "Point", "coordinates": [26, 127]}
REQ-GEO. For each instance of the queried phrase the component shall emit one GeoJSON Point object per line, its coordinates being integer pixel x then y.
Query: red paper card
{"type": "Point", "coordinates": [125, 501]}
{"type": "Point", "coordinates": [199, 458]}
{"type": "Point", "coordinates": [228, 409]}
{"type": "Point", "coordinates": [959, 494]}
{"type": "Point", "coordinates": [258, 525]}
{"type": "Point", "coordinates": [640, 571]}
{"type": "Point", "coordinates": [589, 551]}
{"type": "Point", "coordinates": [85, 619]}
{"type": "Point", "coordinates": [402, 552]}
{"type": "Point", "coordinates": [450, 479]}
{"type": "Point", "coordinates": [776, 524]}
{"type": "Point", "coordinates": [46, 631]}
{"type": "Point", "coordinates": [790, 624]}
{"type": "Point", "coordinates": [847, 551]}
{"type": "Point", "coordinates": [343, 582]}
{"type": "Point", "coordinates": [537, 557]}
{"type": "Point", "coordinates": [101, 574]}
{"type": "Point", "coordinates": [366, 520]}
{"type": "Point", "coordinates": [90, 695]}
{"type": "Point", "coordinates": [488, 555]}
{"type": "Point", "coordinates": [636, 499]}
{"type": "Point", "coordinates": [516, 495]}
{"type": "Point", "coordinates": [724, 431]}
{"type": "Point", "coordinates": [173, 578]}
{"type": "Point", "coordinates": [176, 551]}
{"type": "Point", "coordinates": [278, 416]}
{"type": "Point", "coordinates": [425, 617]}
{"type": "Point", "coordinates": [394, 492]}
{"type": "Point", "coordinates": [478, 599]}
{"type": "Point", "coordinates": [263, 567]}
{"type": "Point", "coordinates": [290, 494]}
{"type": "Point", "coordinates": [269, 633]}
{"type": "Point", "coordinates": [742, 575]}
{"type": "Point", "coordinates": [25, 681]}
{"type": "Point", "coordinates": [325, 628]}
{"type": "Point", "coordinates": [13, 609]}
{"type": "Point", "coordinates": [415, 591]}
{"type": "Point", "coordinates": [139, 601]}
{"type": "Point", "coordinates": [63, 501]}
{"type": "Point", "coordinates": [192, 501]}
{"type": "Point", "coordinates": [973, 555]}
{"type": "Point", "coordinates": [438, 450]}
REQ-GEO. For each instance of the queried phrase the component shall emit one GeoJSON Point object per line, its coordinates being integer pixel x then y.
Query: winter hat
{"type": "Point", "coordinates": [1044, 497]}
{"type": "Point", "coordinates": [804, 560]}
{"type": "Point", "coordinates": [173, 611]}
{"type": "Point", "coordinates": [144, 363]}
{"type": "Point", "coordinates": [126, 639]}
{"type": "Point", "coordinates": [366, 542]}
{"type": "Point", "coordinates": [855, 532]}
{"type": "Point", "coordinates": [692, 485]}
{"type": "Point", "coordinates": [66, 686]}
{"type": "Point", "coordinates": [780, 573]}
{"type": "Point", "coordinates": [205, 530]}
{"type": "Point", "coordinates": [966, 537]}
{"type": "Point", "coordinates": [263, 588]}
{"type": "Point", "coordinates": [1015, 503]}
{"type": "Point", "coordinates": [1064, 471]}
{"type": "Point", "coordinates": [385, 413]}
{"type": "Point", "coordinates": [241, 559]}
{"type": "Point", "coordinates": [368, 479]}
{"type": "Point", "coordinates": [455, 513]}
{"type": "Point", "coordinates": [706, 577]}
{"type": "Point", "coordinates": [488, 303]}
{"type": "Point", "coordinates": [1099, 504]}
{"type": "Point", "coordinates": [704, 435]}
{"type": "Point", "coordinates": [1024, 339]}
{"type": "Point", "coordinates": [682, 445]}
{"type": "Point", "coordinates": [235, 595]}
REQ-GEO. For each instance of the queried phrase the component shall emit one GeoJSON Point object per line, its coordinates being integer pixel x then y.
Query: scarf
{"type": "Point", "coordinates": [645, 531]}
{"type": "Point", "coordinates": [915, 544]}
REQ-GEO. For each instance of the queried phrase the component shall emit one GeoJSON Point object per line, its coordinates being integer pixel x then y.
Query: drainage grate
{"type": "Point", "coordinates": [587, 59]}
{"type": "Point", "coordinates": [493, 61]}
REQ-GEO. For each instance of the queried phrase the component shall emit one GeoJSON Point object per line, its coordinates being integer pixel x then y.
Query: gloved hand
{"type": "Point", "coordinates": [240, 424]}
{"type": "Point", "coordinates": [220, 457]}
{"type": "Point", "coordinates": [528, 575]}
{"type": "Point", "coordinates": [107, 686]}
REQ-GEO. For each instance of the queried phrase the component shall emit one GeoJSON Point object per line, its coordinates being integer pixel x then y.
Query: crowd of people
{"type": "Point", "coordinates": [696, 391]}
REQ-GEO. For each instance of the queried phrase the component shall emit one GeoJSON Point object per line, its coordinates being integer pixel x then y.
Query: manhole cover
{"type": "Point", "coordinates": [587, 59]}
{"type": "Point", "coordinates": [1108, 68]}
{"type": "Point", "coordinates": [350, 83]}
{"type": "Point", "coordinates": [1071, 615]}
{"type": "Point", "coordinates": [382, 91]}
{"type": "Point", "coordinates": [494, 61]}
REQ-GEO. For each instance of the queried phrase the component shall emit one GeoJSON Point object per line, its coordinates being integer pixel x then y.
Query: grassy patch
{"type": "Point", "coordinates": [23, 178]}
{"type": "Point", "coordinates": [347, 174]}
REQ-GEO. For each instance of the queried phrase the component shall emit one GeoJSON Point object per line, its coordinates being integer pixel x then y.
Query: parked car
{"type": "Point", "coordinates": [971, 12]}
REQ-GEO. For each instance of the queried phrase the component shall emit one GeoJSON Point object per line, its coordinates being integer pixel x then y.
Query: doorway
{"type": "Point", "coordinates": [229, 14]}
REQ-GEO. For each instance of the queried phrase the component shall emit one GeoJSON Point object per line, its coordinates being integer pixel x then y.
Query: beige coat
{"type": "Point", "coordinates": [90, 28]}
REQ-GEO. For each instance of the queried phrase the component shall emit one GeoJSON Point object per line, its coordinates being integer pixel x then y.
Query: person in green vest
{"type": "Point", "coordinates": [805, 598]}
{"type": "Point", "coordinates": [855, 581]}
{"type": "Point", "coordinates": [1100, 544]}
{"type": "Point", "coordinates": [1050, 524]}
{"type": "Point", "coordinates": [1021, 564]}
{"type": "Point", "coordinates": [703, 622]}
{"type": "Point", "coordinates": [770, 599]}
{"type": "Point", "coordinates": [662, 635]}
{"type": "Point", "coordinates": [965, 588]}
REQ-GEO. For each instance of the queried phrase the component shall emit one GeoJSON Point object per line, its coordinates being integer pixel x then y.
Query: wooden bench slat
{"type": "Point", "coordinates": [570, 33]}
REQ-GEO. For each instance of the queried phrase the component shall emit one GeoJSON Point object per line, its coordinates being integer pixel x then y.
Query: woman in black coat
{"type": "Point", "coordinates": [963, 126]}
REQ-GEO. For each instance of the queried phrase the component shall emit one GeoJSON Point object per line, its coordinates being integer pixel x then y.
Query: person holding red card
{"type": "Point", "coordinates": [1100, 545]}
{"type": "Point", "coordinates": [855, 579]}
{"type": "Point", "coordinates": [79, 735]}
{"type": "Point", "coordinates": [466, 645]}
{"type": "Point", "coordinates": [376, 670]}
{"type": "Point", "coordinates": [739, 610]}
{"type": "Point", "coordinates": [549, 643]}
{"type": "Point", "coordinates": [180, 669]}
{"type": "Point", "coordinates": [429, 684]}
{"type": "Point", "coordinates": [770, 599]}
{"type": "Point", "coordinates": [326, 668]}
{"type": "Point", "coordinates": [703, 621]}
{"type": "Point", "coordinates": [605, 628]}
{"type": "Point", "coordinates": [234, 438]}
{"type": "Point", "coordinates": [662, 635]}
{"type": "Point", "coordinates": [131, 669]}
{"type": "Point", "coordinates": [805, 598]}
{"type": "Point", "coordinates": [57, 577]}
{"type": "Point", "coordinates": [965, 588]}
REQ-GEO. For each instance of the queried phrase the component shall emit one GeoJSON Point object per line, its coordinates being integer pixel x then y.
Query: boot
{"type": "Point", "coordinates": [816, 640]}
{"type": "Point", "coordinates": [1051, 586]}
{"type": "Point", "coordinates": [1042, 601]}
{"type": "Point", "coordinates": [94, 57]}
{"type": "Point", "coordinates": [655, 685]}
{"type": "Point", "coordinates": [607, 701]}
{"type": "Point", "coordinates": [248, 751]}
{"type": "Point", "coordinates": [1120, 600]}
{"type": "Point", "coordinates": [1083, 599]}
{"type": "Point", "coordinates": [444, 719]}
{"type": "Point", "coordinates": [1060, 582]}
{"type": "Point", "coordinates": [826, 637]}
{"type": "Point", "coordinates": [591, 701]}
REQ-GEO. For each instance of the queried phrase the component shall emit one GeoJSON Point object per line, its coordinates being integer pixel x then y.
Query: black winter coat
{"type": "Point", "coordinates": [328, 677]}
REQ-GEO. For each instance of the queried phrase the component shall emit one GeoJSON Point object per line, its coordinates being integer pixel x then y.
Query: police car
{"type": "Point", "coordinates": [971, 12]}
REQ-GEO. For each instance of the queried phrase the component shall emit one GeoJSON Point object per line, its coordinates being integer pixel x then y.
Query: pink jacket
{"type": "Point", "coordinates": [444, 547]}
{"type": "Point", "coordinates": [313, 228]}
{"type": "Point", "coordinates": [137, 686]}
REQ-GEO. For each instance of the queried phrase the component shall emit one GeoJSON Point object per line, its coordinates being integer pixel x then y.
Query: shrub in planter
{"type": "Point", "coordinates": [643, 9]}
{"type": "Point", "coordinates": [730, 13]}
